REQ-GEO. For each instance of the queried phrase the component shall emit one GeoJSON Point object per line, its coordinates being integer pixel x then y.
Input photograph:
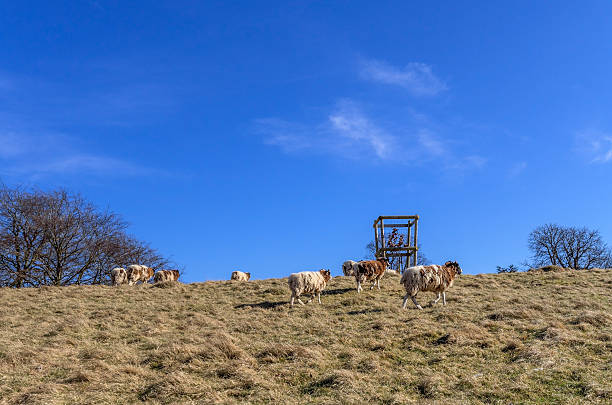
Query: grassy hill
{"type": "Point", "coordinates": [520, 338]}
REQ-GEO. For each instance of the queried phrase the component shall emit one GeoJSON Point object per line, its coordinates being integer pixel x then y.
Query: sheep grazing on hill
{"type": "Point", "coordinates": [308, 282]}
{"type": "Point", "coordinates": [432, 278]}
{"type": "Point", "coordinates": [370, 270]}
{"type": "Point", "coordinates": [348, 267]}
{"type": "Point", "coordinates": [166, 275]}
{"type": "Point", "coordinates": [240, 276]}
{"type": "Point", "coordinates": [118, 276]}
{"type": "Point", "coordinates": [138, 272]}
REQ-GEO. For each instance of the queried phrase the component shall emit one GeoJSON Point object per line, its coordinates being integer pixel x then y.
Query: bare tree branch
{"type": "Point", "coordinates": [576, 248]}
{"type": "Point", "coordinates": [58, 238]}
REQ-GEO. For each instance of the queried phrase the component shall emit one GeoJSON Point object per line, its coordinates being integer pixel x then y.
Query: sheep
{"type": "Point", "coordinates": [240, 276]}
{"type": "Point", "coordinates": [432, 278]}
{"type": "Point", "coordinates": [166, 275]}
{"type": "Point", "coordinates": [348, 267]}
{"type": "Point", "coordinates": [118, 276]}
{"type": "Point", "coordinates": [308, 282]}
{"type": "Point", "coordinates": [392, 272]}
{"type": "Point", "coordinates": [370, 270]}
{"type": "Point", "coordinates": [137, 272]}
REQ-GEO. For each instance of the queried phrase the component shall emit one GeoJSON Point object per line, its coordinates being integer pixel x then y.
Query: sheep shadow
{"type": "Point", "coordinates": [337, 291]}
{"type": "Point", "coordinates": [263, 305]}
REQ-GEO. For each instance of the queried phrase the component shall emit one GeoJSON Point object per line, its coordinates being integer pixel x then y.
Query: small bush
{"type": "Point", "coordinates": [510, 269]}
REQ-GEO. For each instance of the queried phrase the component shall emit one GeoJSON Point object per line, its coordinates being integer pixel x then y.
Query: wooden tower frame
{"type": "Point", "coordinates": [410, 251]}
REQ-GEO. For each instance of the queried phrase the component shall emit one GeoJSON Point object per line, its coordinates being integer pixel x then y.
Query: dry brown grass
{"type": "Point", "coordinates": [511, 338]}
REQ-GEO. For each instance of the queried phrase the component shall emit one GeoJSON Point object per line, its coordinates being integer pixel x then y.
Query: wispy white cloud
{"type": "Point", "coordinates": [349, 133]}
{"type": "Point", "coordinates": [11, 145]}
{"type": "Point", "coordinates": [23, 155]}
{"type": "Point", "coordinates": [415, 77]}
{"type": "Point", "coordinates": [595, 145]}
{"type": "Point", "coordinates": [517, 169]}
{"type": "Point", "coordinates": [346, 132]}
{"type": "Point", "coordinates": [431, 143]}
{"type": "Point", "coordinates": [351, 124]}
{"type": "Point", "coordinates": [288, 136]}
{"type": "Point", "coordinates": [92, 164]}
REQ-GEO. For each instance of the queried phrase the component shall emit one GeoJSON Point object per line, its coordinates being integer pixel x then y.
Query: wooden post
{"type": "Point", "coordinates": [416, 230]}
{"type": "Point", "coordinates": [382, 234]}
{"type": "Point", "coordinates": [376, 237]}
{"type": "Point", "coordinates": [409, 253]}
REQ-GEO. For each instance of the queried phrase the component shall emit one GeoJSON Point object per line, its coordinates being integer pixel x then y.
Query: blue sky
{"type": "Point", "coordinates": [267, 136]}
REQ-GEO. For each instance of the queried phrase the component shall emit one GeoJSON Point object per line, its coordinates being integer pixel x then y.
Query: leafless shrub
{"type": "Point", "coordinates": [395, 239]}
{"type": "Point", "coordinates": [510, 269]}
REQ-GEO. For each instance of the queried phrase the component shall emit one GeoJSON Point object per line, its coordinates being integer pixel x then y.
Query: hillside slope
{"type": "Point", "coordinates": [523, 337]}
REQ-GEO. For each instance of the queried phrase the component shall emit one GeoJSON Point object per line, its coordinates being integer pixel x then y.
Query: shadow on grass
{"type": "Point", "coordinates": [264, 305]}
{"type": "Point", "coordinates": [272, 305]}
{"type": "Point", "coordinates": [338, 291]}
{"type": "Point", "coordinates": [365, 311]}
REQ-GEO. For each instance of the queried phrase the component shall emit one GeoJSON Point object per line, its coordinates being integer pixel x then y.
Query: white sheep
{"type": "Point", "coordinates": [240, 276]}
{"type": "Point", "coordinates": [119, 276]}
{"type": "Point", "coordinates": [432, 278]}
{"type": "Point", "coordinates": [308, 282]}
{"type": "Point", "coordinates": [348, 267]}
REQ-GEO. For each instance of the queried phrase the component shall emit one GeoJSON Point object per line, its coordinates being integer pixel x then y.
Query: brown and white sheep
{"type": "Point", "coordinates": [118, 276]}
{"type": "Point", "coordinates": [370, 270]}
{"type": "Point", "coordinates": [432, 278]}
{"type": "Point", "coordinates": [138, 272]}
{"type": "Point", "coordinates": [348, 267]}
{"type": "Point", "coordinates": [240, 276]}
{"type": "Point", "coordinates": [166, 275]}
{"type": "Point", "coordinates": [308, 282]}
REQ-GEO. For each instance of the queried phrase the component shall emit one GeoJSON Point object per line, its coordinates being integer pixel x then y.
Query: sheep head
{"type": "Point", "coordinates": [326, 274]}
{"type": "Point", "coordinates": [454, 266]}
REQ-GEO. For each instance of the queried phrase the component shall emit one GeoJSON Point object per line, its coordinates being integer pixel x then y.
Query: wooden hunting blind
{"type": "Point", "coordinates": [397, 243]}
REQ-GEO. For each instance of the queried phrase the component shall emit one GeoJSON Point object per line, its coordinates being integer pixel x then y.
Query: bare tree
{"type": "Point", "coordinates": [576, 248]}
{"type": "Point", "coordinates": [545, 244]}
{"type": "Point", "coordinates": [58, 238]}
{"type": "Point", "coordinates": [21, 236]}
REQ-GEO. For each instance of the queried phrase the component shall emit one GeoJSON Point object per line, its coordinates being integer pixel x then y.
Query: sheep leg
{"type": "Point", "coordinates": [300, 301]}
{"type": "Point", "coordinates": [359, 286]}
{"type": "Point", "coordinates": [378, 283]}
{"type": "Point", "coordinates": [311, 298]}
{"type": "Point", "coordinates": [443, 298]}
{"type": "Point", "coordinates": [292, 299]}
{"type": "Point", "coordinates": [436, 300]}
{"type": "Point", "coordinates": [405, 300]}
{"type": "Point", "coordinates": [415, 302]}
{"type": "Point", "coordinates": [319, 296]}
